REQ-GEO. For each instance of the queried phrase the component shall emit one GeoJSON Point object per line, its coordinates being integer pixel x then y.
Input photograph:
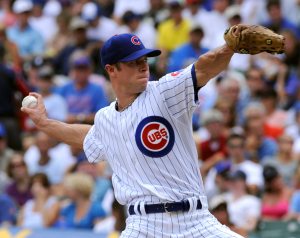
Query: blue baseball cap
{"type": "Point", "coordinates": [82, 61]}
{"type": "Point", "coordinates": [123, 48]}
{"type": "Point", "coordinates": [223, 166]}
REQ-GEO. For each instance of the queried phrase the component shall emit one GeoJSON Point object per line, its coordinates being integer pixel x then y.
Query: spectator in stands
{"type": "Point", "coordinates": [227, 109]}
{"type": "Point", "coordinates": [157, 13]}
{"type": "Point", "coordinates": [45, 25]}
{"type": "Point", "coordinates": [253, 12]}
{"type": "Point", "coordinates": [186, 54]}
{"type": "Point", "coordinates": [258, 146]}
{"type": "Point", "coordinates": [102, 191]}
{"type": "Point", "coordinates": [275, 118]}
{"type": "Point", "coordinates": [276, 196]}
{"type": "Point", "coordinates": [216, 182]}
{"type": "Point", "coordinates": [134, 23]}
{"type": "Point", "coordinates": [215, 24]}
{"type": "Point", "coordinates": [32, 69]}
{"type": "Point", "coordinates": [285, 160]}
{"type": "Point", "coordinates": [236, 154]}
{"type": "Point", "coordinates": [12, 56]}
{"type": "Point", "coordinates": [255, 84]}
{"type": "Point", "coordinates": [79, 41]}
{"type": "Point", "coordinates": [62, 36]}
{"type": "Point", "coordinates": [107, 7]}
{"type": "Point", "coordinates": [292, 49]}
{"type": "Point", "coordinates": [8, 210]}
{"type": "Point", "coordinates": [230, 90]}
{"type": "Point", "coordinates": [233, 14]}
{"type": "Point", "coordinates": [8, 115]}
{"type": "Point", "coordinates": [5, 151]}
{"type": "Point", "coordinates": [113, 224]}
{"type": "Point", "coordinates": [196, 13]}
{"type": "Point", "coordinates": [219, 208]}
{"type": "Point", "coordinates": [212, 149]}
{"type": "Point", "coordinates": [287, 80]}
{"type": "Point", "coordinates": [244, 209]}
{"type": "Point", "coordinates": [43, 209]}
{"type": "Point", "coordinates": [216, 141]}
{"type": "Point", "coordinates": [277, 21]}
{"type": "Point", "coordinates": [121, 6]}
{"type": "Point", "coordinates": [234, 161]}
{"type": "Point", "coordinates": [55, 104]}
{"type": "Point", "coordinates": [80, 212]}
{"type": "Point", "coordinates": [19, 189]}
{"type": "Point", "coordinates": [28, 40]}
{"type": "Point", "coordinates": [83, 97]}
{"type": "Point", "coordinates": [175, 31]}
{"type": "Point", "coordinates": [49, 158]}
{"type": "Point", "coordinates": [100, 27]}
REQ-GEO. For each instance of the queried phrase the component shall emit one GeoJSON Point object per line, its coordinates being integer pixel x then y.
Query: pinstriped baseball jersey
{"type": "Point", "coordinates": [149, 145]}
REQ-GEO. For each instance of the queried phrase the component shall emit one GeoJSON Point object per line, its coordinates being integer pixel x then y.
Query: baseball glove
{"type": "Point", "coordinates": [253, 39]}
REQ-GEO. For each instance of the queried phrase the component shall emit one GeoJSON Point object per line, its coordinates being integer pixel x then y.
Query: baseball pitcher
{"type": "Point", "coordinates": [146, 134]}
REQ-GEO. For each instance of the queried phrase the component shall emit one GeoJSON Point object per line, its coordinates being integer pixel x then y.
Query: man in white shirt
{"type": "Point", "coordinates": [43, 157]}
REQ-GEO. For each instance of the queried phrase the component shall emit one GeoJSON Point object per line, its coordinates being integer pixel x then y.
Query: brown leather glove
{"type": "Point", "coordinates": [253, 39]}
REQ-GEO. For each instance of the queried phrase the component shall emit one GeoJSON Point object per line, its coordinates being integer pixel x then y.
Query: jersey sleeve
{"type": "Point", "coordinates": [179, 91]}
{"type": "Point", "coordinates": [92, 146]}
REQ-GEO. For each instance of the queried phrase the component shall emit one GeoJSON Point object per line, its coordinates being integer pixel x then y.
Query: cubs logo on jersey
{"type": "Point", "coordinates": [155, 136]}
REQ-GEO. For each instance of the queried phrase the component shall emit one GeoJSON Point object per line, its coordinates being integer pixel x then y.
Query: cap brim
{"type": "Point", "coordinates": [141, 53]}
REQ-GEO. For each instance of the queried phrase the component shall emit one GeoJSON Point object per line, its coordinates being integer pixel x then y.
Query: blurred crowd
{"type": "Point", "coordinates": [246, 126]}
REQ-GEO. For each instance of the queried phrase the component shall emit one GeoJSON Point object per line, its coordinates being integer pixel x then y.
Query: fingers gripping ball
{"type": "Point", "coordinates": [29, 101]}
{"type": "Point", "coordinates": [254, 39]}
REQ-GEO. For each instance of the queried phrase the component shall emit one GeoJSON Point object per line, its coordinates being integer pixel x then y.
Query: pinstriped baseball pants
{"type": "Point", "coordinates": [195, 224]}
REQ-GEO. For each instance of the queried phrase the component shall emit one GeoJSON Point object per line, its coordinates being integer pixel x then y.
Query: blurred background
{"type": "Point", "coordinates": [246, 125]}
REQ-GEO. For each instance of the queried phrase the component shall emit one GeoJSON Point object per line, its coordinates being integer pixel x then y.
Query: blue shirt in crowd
{"type": "Point", "coordinates": [286, 25]}
{"type": "Point", "coordinates": [268, 148]}
{"type": "Point", "coordinates": [29, 41]}
{"type": "Point", "coordinates": [87, 100]}
{"type": "Point", "coordinates": [8, 209]}
{"type": "Point", "coordinates": [67, 217]}
{"type": "Point", "coordinates": [184, 56]}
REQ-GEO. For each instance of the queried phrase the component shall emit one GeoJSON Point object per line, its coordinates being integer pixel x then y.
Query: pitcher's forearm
{"type": "Point", "coordinates": [212, 63]}
{"type": "Point", "coordinates": [71, 134]}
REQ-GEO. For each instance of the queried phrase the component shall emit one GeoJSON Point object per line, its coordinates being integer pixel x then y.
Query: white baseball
{"type": "Point", "coordinates": [29, 101]}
